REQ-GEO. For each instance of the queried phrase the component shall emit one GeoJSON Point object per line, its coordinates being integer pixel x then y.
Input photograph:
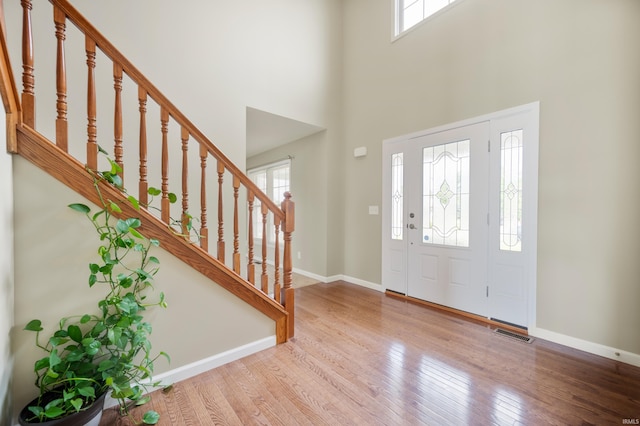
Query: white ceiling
{"type": "Point", "coordinates": [266, 131]}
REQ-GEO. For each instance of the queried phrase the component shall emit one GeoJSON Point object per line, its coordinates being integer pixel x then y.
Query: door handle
{"type": "Point", "coordinates": [412, 226]}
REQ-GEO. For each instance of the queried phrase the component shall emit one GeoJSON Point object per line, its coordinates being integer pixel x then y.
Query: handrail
{"type": "Point", "coordinates": [8, 89]}
{"type": "Point", "coordinates": [114, 54]}
{"type": "Point", "coordinates": [282, 216]}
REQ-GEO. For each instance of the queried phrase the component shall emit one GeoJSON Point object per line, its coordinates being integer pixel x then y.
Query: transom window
{"type": "Point", "coordinates": [411, 12]}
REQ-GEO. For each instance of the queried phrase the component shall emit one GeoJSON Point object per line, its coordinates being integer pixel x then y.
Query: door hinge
{"type": "Point", "coordinates": [487, 291]}
{"type": "Point", "coordinates": [488, 222]}
{"type": "Point", "coordinates": [489, 145]}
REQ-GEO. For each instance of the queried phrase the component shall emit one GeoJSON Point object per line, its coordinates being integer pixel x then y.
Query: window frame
{"type": "Point", "coordinates": [397, 33]}
{"type": "Point", "coordinates": [268, 169]}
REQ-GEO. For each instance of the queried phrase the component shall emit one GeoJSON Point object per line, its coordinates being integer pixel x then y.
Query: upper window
{"type": "Point", "coordinates": [411, 12]}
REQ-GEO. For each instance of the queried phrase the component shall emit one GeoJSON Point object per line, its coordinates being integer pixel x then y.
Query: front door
{"type": "Point", "coordinates": [447, 189]}
{"type": "Point", "coordinates": [459, 215]}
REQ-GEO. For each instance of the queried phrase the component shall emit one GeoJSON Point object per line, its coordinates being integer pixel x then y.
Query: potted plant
{"type": "Point", "coordinates": [106, 350]}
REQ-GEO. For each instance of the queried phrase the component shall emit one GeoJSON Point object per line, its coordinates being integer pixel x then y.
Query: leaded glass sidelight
{"type": "Point", "coordinates": [397, 196]}
{"type": "Point", "coordinates": [445, 194]}
{"type": "Point", "coordinates": [511, 150]}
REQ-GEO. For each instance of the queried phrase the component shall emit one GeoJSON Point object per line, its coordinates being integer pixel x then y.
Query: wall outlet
{"type": "Point", "coordinates": [299, 255]}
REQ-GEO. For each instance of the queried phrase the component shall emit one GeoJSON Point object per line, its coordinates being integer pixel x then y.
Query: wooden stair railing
{"type": "Point", "coordinates": [228, 178]}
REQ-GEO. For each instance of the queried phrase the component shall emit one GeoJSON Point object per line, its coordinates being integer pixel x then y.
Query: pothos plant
{"type": "Point", "coordinates": [109, 349]}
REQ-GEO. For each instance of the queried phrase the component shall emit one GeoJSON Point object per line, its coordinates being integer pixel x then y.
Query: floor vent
{"type": "Point", "coordinates": [516, 336]}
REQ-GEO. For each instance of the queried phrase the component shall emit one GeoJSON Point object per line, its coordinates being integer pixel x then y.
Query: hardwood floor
{"type": "Point", "coordinates": [362, 358]}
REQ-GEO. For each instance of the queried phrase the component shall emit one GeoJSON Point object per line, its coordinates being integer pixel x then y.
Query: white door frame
{"type": "Point", "coordinates": [394, 279]}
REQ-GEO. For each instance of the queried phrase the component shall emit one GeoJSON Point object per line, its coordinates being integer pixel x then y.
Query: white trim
{"type": "Point", "coordinates": [203, 365]}
{"type": "Point", "coordinates": [395, 19]}
{"type": "Point", "coordinates": [586, 346]}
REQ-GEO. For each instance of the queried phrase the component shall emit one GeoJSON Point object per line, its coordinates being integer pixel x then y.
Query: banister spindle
{"type": "Point", "coordinates": [165, 204]}
{"type": "Point", "coordinates": [264, 277]}
{"type": "Point", "coordinates": [250, 265]}
{"type": "Point", "coordinates": [143, 185]}
{"type": "Point", "coordinates": [92, 131]}
{"type": "Point", "coordinates": [117, 119]}
{"type": "Point", "coordinates": [59, 19]}
{"type": "Point", "coordinates": [220, 209]}
{"type": "Point", "coordinates": [236, 226]}
{"type": "Point", "coordinates": [184, 136]}
{"type": "Point", "coordinates": [28, 78]}
{"type": "Point", "coordinates": [204, 230]}
{"type": "Point", "coordinates": [276, 261]}
{"type": "Point", "coordinates": [288, 207]}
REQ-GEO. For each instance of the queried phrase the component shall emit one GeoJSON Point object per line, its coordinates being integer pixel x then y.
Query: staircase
{"type": "Point", "coordinates": [227, 255]}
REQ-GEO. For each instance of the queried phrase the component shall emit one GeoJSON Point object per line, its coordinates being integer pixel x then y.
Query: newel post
{"type": "Point", "coordinates": [288, 226]}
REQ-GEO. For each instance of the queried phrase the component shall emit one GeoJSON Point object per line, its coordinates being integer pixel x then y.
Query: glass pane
{"type": "Point", "coordinates": [397, 170]}
{"type": "Point", "coordinates": [511, 150]}
{"type": "Point", "coordinates": [445, 194]}
{"type": "Point", "coordinates": [260, 179]}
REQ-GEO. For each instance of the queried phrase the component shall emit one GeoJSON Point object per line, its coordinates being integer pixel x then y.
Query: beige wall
{"type": "Point", "coordinates": [581, 60]}
{"type": "Point", "coordinates": [54, 246]}
{"type": "Point", "coordinates": [6, 276]}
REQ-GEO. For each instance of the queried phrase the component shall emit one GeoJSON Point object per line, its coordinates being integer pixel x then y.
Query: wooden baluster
{"type": "Point", "coordinates": [143, 185]}
{"type": "Point", "coordinates": [288, 207]}
{"type": "Point", "coordinates": [92, 130]}
{"type": "Point", "coordinates": [117, 119]}
{"type": "Point", "coordinates": [184, 135]}
{"type": "Point", "coordinates": [276, 261]}
{"type": "Point", "coordinates": [28, 78]}
{"type": "Point", "coordinates": [220, 219]}
{"type": "Point", "coordinates": [264, 277]}
{"type": "Point", "coordinates": [204, 230]}
{"type": "Point", "coordinates": [251, 267]}
{"type": "Point", "coordinates": [236, 232]}
{"type": "Point", "coordinates": [165, 205]}
{"type": "Point", "coordinates": [59, 19]}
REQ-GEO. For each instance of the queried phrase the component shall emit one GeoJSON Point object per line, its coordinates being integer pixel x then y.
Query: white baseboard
{"type": "Point", "coordinates": [586, 346]}
{"type": "Point", "coordinates": [198, 367]}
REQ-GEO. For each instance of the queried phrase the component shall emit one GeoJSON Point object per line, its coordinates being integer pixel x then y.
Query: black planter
{"type": "Point", "coordinates": [90, 416]}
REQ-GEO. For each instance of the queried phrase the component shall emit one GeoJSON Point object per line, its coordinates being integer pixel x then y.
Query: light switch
{"type": "Point", "coordinates": [373, 209]}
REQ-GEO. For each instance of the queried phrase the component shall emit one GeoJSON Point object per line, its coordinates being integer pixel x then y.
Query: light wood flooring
{"type": "Point", "coordinates": [362, 358]}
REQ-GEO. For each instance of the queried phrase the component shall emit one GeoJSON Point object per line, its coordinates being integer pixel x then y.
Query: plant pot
{"type": "Point", "coordinates": [89, 417]}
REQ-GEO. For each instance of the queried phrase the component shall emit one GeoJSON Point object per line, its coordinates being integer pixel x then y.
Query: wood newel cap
{"type": "Point", "coordinates": [288, 207]}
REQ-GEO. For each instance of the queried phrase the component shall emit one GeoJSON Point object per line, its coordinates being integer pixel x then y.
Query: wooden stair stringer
{"type": "Point", "coordinates": [47, 156]}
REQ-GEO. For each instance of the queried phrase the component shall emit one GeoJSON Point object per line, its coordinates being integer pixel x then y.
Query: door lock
{"type": "Point", "coordinates": [412, 226]}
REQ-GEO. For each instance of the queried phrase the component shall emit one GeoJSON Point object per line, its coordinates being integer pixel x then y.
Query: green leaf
{"type": "Point", "coordinates": [154, 242]}
{"type": "Point", "coordinates": [77, 403]}
{"type": "Point", "coordinates": [151, 417]}
{"type": "Point", "coordinates": [142, 401]}
{"type": "Point", "coordinates": [92, 280]}
{"type": "Point", "coordinates": [57, 341]}
{"type": "Point", "coordinates": [134, 202]}
{"type": "Point", "coordinates": [172, 197]}
{"type": "Point", "coordinates": [53, 412]}
{"type": "Point", "coordinates": [85, 319]}
{"type": "Point", "coordinates": [122, 226]}
{"type": "Point", "coordinates": [75, 333]}
{"type": "Point", "coordinates": [154, 259]}
{"type": "Point", "coordinates": [41, 363]}
{"type": "Point", "coordinates": [154, 191]}
{"type": "Point", "coordinates": [82, 208]}
{"type": "Point", "coordinates": [114, 207]}
{"type": "Point", "coordinates": [135, 233]}
{"type": "Point", "coordinates": [54, 359]}
{"type": "Point", "coordinates": [87, 391]}
{"type": "Point", "coordinates": [94, 268]}
{"type": "Point", "coordinates": [34, 325]}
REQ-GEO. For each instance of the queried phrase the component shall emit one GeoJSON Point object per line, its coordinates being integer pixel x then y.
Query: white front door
{"type": "Point", "coordinates": [447, 188]}
{"type": "Point", "coordinates": [459, 215]}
